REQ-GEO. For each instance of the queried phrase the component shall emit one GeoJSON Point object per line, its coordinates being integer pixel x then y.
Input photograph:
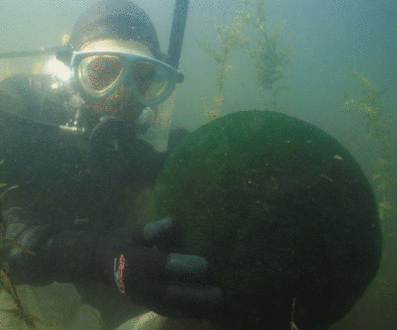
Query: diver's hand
{"type": "Point", "coordinates": [169, 284]}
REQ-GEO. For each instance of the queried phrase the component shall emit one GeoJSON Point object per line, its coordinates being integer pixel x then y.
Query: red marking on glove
{"type": "Point", "coordinates": [119, 268]}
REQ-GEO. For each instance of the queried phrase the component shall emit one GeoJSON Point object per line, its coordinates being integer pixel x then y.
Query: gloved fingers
{"type": "Point", "coordinates": [162, 233]}
{"type": "Point", "coordinates": [170, 284]}
{"type": "Point", "coordinates": [167, 268]}
{"type": "Point", "coordinates": [187, 269]}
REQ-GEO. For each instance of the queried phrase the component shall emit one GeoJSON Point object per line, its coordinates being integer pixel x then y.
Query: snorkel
{"type": "Point", "coordinates": [177, 32]}
{"type": "Point", "coordinates": [157, 134]}
{"type": "Point", "coordinates": [154, 123]}
{"type": "Point", "coordinates": [85, 31]}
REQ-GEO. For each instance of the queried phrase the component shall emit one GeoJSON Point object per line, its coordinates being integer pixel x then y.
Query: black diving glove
{"type": "Point", "coordinates": [169, 284]}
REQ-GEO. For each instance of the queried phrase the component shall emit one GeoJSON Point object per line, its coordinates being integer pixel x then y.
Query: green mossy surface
{"type": "Point", "coordinates": [282, 212]}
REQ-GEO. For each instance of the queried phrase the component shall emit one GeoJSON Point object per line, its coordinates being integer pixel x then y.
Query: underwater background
{"type": "Point", "coordinates": [330, 63]}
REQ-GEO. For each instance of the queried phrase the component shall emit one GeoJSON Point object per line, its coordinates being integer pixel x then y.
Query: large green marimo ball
{"type": "Point", "coordinates": [282, 212]}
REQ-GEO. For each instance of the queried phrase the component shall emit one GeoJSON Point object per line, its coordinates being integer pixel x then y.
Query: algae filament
{"type": "Point", "coordinates": [248, 31]}
{"type": "Point", "coordinates": [376, 125]}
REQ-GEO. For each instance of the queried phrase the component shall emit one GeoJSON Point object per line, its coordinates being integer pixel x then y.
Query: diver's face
{"type": "Point", "coordinates": [122, 102]}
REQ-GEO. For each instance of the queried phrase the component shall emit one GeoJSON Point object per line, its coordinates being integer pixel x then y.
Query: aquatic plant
{"type": "Point", "coordinates": [229, 38]}
{"type": "Point", "coordinates": [367, 104]}
{"type": "Point", "coordinates": [292, 324]}
{"type": "Point", "coordinates": [16, 309]}
{"type": "Point", "coordinates": [248, 31]}
{"type": "Point", "coordinates": [269, 62]}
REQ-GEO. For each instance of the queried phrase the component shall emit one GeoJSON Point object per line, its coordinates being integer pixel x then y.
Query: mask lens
{"type": "Point", "coordinates": [98, 73]}
{"type": "Point", "coordinates": [151, 81]}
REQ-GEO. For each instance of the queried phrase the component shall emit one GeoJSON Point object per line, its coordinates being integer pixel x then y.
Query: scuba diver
{"type": "Point", "coordinates": [82, 151]}
{"type": "Point", "coordinates": [85, 142]}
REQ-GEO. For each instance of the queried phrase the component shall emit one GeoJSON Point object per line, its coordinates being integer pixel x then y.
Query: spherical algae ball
{"type": "Point", "coordinates": [282, 212]}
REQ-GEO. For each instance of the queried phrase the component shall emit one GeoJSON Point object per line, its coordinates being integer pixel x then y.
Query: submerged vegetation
{"type": "Point", "coordinates": [229, 38]}
{"type": "Point", "coordinates": [15, 308]}
{"type": "Point", "coordinates": [269, 62]}
{"type": "Point", "coordinates": [249, 32]}
{"type": "Point", "coordinates": [367, 104]}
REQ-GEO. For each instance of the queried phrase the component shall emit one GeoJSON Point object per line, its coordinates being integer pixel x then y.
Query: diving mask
{"type": "Point", "coordinates": [100, 74]}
